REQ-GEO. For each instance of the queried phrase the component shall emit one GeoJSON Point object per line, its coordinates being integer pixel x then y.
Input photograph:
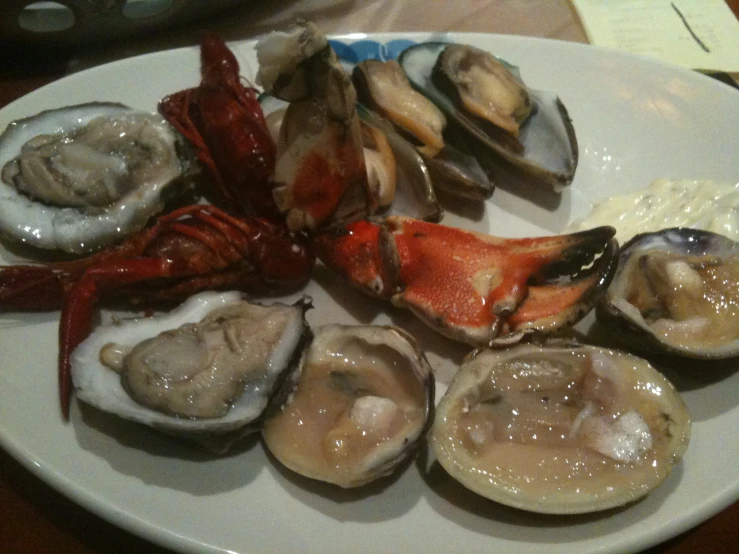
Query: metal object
{"type": "Point", "coordinates": [74, 22]}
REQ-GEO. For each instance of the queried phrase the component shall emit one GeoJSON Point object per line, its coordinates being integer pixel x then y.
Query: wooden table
{"type": "Point", "coordinates": [36, 519]}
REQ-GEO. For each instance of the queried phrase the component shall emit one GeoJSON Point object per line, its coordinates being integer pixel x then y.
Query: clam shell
{"type": "Point", "coordinates": [356, 408]}
{"type": "Point", "coordinates": [512, 427]}
{"type": "Point", "coordinates": [631, 329]}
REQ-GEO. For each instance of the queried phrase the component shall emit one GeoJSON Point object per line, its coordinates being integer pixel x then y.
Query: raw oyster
{"type": "Point", "coordinates": [527, 128]}
{"type": "Point", "coordinates": [360, 403]}
{"type": "Point", "coordinates": [206, 369]}
{"type": "Point", "coordinates": [676, 291]}
{"type": "Point", "coordinates": [83, 177]}
{"type": "Point", "coordinates": [565, 429]}
{"type": "Point", "coordinates": [384, 88]}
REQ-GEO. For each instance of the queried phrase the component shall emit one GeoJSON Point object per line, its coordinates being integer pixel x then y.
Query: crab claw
{"type": "Point", "coordinates": [474, 287]}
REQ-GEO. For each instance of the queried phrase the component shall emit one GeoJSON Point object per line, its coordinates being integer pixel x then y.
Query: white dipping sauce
{"type": "Point", "coordinates": [700, 204]}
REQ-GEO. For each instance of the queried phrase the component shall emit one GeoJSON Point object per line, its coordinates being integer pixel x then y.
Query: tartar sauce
{"type": "Point", "coordinates": [701, 204]}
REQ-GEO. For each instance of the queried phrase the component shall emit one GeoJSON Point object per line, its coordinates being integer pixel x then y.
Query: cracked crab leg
{"type": "Point", "coordinates": [470, 286]}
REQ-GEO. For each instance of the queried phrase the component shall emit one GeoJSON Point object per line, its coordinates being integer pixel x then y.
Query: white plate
{"type": "Point", "coordinates": [636, 120]}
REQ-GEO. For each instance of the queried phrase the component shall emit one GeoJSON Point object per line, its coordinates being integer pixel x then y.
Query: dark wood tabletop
{"type": "Point", "coordinates": [36, 519]}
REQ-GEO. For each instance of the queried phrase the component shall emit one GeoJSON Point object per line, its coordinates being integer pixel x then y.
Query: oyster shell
{"type": "Point", "coordinates": [676, 291]}
{"type": "Point", "coordinates": [361, 401]}
{"type": "Point", "coordinates": [206, 369]}
{"type": "Point", "coordinates": [536, 135]}
{"type": "Point", "coordinates": [565, 429]}
{"type": "Point", "coordinates": [83, 177]}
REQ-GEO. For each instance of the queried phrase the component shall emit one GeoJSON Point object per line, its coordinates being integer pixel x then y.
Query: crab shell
{"type": "Point", "coordinates": [561, 430]}
{"type": "Point", "coordinates": [472, 287]}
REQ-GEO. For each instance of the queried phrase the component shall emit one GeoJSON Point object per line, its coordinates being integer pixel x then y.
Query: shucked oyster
{"type": "Point", "coordinates": [676, 291]}
{"type": "Point", "coordinates": [207, 368]}
{"type": "Point", "coordinates": [526, 128]}
{"type": "Point", "coordinates": [360, 403]}
{"type": "Point", "coordinates": [83, 177]}
{"type": "Point", "coordinates": [567, 429]}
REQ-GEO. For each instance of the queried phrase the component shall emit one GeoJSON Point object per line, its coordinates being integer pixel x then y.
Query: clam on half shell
{"type": "Point", "coordinates": [562, 430]}
{"type": "Point", "coordinates": [357, 407]}
{"type": "Point", "coordinates": [676, 291]}
{"type": "Point", "coordinates": [83, 177]}
{"type": "Point", "coordinates": [205, 371]}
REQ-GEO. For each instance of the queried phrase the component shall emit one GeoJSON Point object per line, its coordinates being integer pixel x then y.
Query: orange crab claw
{"type": "Point", "coordinates": [470, 286]}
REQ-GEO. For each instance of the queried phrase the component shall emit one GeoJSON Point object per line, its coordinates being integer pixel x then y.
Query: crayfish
{"type": "Point", "coordinates": [188, 250]}
{"type": "Point", "coordinates": [222, 119]}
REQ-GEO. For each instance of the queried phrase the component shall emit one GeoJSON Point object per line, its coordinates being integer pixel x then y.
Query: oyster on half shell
{"type": "Point", "coordinates": [676, 291]}
{"type": "Point", "coordinates": [83, 177]}
{"type": "Point", "coordinates": [205, 370]}
{"type": "Point", "coordinates": [559, 429]}
{"type": "Point", "coordinates": [357, 406]}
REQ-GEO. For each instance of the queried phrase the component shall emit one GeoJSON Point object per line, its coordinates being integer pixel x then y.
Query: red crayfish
{"type": "Point", "coordinates": [191, 249]}
{"type": "Point", "coordinates": [222, 119]}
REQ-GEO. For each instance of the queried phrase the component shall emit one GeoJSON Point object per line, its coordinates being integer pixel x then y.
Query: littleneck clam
{"type": "Point", "coordinates": [527, 128]}
{"type": "Point", "coordinates": [676, 291]}
{"type": "Point", "coordinates": [205, 370]}
{"type": "Point", "coordinates": [83, 177]}
{"type": "Point", "coordinates": [361, 401]}
{"type": "Point", "coordinates": [559, 429]}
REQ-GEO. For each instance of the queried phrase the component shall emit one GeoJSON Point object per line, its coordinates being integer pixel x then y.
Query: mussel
{"type": "Point", "coordinates": [384, 88]}
{"type": "Point", "coordinates": [529, 129]}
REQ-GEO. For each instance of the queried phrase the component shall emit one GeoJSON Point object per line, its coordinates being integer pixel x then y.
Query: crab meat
{"type": "Point", "coordinates": [474, 287]}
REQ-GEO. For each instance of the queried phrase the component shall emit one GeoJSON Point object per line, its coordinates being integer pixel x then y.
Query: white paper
{"type": "Point", "coordinates": [698, 34]}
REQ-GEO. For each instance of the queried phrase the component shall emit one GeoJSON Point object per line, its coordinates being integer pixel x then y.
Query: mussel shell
{"type": "Point", "coordinates": [455, 169]}
{"type": "Point", "coordinates": [636, 334]}
{"type": "Point", "coordinates": [546, 148]}
{"type": "Point", "coordinates": [414, 194]}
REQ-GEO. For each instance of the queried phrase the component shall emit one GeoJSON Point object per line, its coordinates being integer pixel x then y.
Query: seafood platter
{"type": "Point", "coordinates": [346, 290]}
